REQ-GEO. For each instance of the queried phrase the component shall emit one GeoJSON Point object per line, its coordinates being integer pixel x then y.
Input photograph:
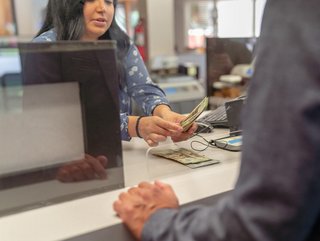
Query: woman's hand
{"type": "Point", "coordinates": [135, 206]}
{"type": "Point", "coordinates": [154, 129]}
{"type": "Point", "coordinates": [177, 118]}
{"type": "Point", "coordinates": [167, 114]}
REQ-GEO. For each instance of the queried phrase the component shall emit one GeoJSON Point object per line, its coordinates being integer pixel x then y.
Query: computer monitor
{"type": "Point", "coordinates": [238, 50]}
{"type": "Point", "coordinates": [65, 108]}
{"type": "Point", "coordinates": [233, 112]}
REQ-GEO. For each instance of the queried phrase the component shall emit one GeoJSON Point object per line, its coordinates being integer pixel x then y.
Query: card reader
{"type": "Point", "coordinates": [231, 143]}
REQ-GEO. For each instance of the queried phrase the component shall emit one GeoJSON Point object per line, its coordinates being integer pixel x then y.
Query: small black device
{"type": "Point", "coordinates": [233, 142]}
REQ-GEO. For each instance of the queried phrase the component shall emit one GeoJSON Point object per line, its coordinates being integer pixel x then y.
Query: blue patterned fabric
{"type": "Point", "coordinates": [138, 85]}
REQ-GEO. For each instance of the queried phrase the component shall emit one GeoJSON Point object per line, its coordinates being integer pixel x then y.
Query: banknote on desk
{"type": "Point", "coordinates": [185, 157]}
{"type": "Point", "coordinates": [186, 123]}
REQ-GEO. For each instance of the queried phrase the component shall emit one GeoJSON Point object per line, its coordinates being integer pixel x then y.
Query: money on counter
{"type": "Point", "coordinates": [181, 155]}
{"type": "Point", "coordinates": [186, 157]}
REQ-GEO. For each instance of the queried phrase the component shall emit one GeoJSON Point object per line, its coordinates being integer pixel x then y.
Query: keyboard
{"type": "Point", "coordinates": [216, 118]}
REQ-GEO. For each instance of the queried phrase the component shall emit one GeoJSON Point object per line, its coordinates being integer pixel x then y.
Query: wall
{"type": "Point", "coordinates": [159, 17]}
{"type": "Point", "coordinates": [29, 15]}
{"type": "Point", "coordinates": [181, 35]}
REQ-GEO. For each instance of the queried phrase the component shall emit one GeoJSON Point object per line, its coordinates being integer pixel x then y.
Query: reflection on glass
{"type": "Point", "coordinates": [60, 128]}
{"type": "Point", "coordinates": [88, 168]}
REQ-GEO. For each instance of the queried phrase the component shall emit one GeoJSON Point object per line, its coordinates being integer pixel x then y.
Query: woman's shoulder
{"type": "Point", "coordinates": [133, 52]}
{"type": "Point", "coordinates": [48, 36]}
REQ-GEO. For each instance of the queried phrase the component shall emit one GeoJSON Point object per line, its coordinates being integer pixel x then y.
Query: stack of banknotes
{"type": "Point", "coordinates": [187, 123]}
{"type": "Point", "coordinates": [185, 157]}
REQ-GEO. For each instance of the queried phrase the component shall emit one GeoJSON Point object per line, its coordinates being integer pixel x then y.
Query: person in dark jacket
{"type": "Point", "coordinates": [277, 195]}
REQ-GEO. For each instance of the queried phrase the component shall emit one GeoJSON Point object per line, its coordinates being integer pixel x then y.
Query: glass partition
{"type": "Point", "coordinates": [59, 123]}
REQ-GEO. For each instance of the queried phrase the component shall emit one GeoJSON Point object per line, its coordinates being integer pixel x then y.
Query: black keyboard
{"type": "Point", "coordinates": [216, 118]}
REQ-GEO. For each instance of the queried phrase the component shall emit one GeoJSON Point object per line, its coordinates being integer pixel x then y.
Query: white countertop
{"type": "Point", "coordinates": [73, 218]}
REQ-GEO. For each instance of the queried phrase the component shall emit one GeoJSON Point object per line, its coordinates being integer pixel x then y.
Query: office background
{"type": "Point", "coordinates": [175, 35]}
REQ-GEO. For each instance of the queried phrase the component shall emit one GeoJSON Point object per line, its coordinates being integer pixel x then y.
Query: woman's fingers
{"type": "Point", "coordinates": [156, 125]}
{"type": "Point", "coordinates": [154, 129]}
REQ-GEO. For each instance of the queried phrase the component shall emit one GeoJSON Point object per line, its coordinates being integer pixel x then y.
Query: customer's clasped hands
{"type": "Point", "coordinates": [137, 205]}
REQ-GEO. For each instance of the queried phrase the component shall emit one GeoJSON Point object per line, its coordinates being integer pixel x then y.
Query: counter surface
{"type": "Point", "coordinates": [84, 215]}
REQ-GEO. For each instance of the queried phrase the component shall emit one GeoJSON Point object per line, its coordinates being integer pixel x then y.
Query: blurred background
{"type": "Point", "coordinates": [192, 48]}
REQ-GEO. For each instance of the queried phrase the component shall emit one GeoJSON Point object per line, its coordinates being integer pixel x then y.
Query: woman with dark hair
{"type": "Point", "coordinates": [90, 20]}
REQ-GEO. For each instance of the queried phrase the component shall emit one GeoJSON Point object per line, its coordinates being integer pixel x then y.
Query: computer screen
{"type": "Point", "coordinates": [233, 112]}
{"type": "Point", "coordinates": [59, 119]}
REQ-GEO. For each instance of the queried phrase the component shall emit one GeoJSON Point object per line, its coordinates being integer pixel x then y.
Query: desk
{"type": "Point", "coordinates": [81, 216]}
